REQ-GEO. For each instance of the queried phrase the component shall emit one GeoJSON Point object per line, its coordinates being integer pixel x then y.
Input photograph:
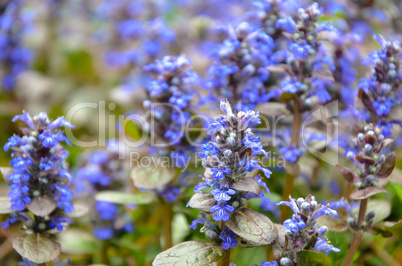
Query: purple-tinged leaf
{"type": "Point", "coordinates": [387, 167]}
{"type": "Point", "coordinates": [386, 142]}
{"type": "Point", "coordinates": [42, 206]}
{"type": "Point", "coordinates": [280, 242]}
{"type": "Point", "coordinates": [366, 192]}
{"type": "Point", "coordinates": [202, 202]}
{"type": "Point", "coordinates": [365, 159]}
{"type": "Point", "coordinates": [348, 174]}
{"type": "Point", "coordinates": [36, 248]}
{"type": "Point", "coordinates": [253, 226]}
{"type": "Point", "coordinates": [247, 184]}
{"type": "Point", "coordinates": [6, 171]}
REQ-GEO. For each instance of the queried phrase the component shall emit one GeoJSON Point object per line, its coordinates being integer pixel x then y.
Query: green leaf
{"type": "Point", "coordinates": [79, 242]}
{"type": "Point", "coordinates": [5, 205]}
{"type": "Point", "coordinates": [36, 248]}
{"type": "Point", "coordinates": [190, 253]}
{"type": "Point", "coordinates": [42, 206]}
{"type": "Point", "coordinates": [125, 198]}
{"type": "Point", "coordinates": [386, 229]}
{"type": "Point", "coordinates": [202, 202]}
{"type": "Point", "coordinates": [312, 258]}
{"type": "Point", "coordinates": [252, 226]}
{"type": "Point", "coordinates": [152, 177]}
{"type": "Point", "coordinates": [180, 228]}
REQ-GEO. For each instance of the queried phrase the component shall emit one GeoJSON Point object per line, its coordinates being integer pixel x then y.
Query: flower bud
{"type": "Point", "coordinates": [323, 230]}
{"type": "Point", "coordinates": [286, 262]}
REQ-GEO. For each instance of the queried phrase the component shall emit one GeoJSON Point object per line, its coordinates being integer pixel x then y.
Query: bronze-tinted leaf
{"type": "Point", "coordinates": [6, 171]}
{"type": "Point", "coordinates": [396, 113]}
{"type": "Point", "coordinates": [143, 197]}
{"type": "Point", "coordinates": [279, 246]}
{"type": "Point", "coordinates": [190, 253]}
{"type": "Point", "coordinates": [79, 210]}
{"type": "Point", "coordinates": [42, 206]}
{"type": "Point", "coordinates": [279, 68]}
{"type": "Point", "coordinates": [366, 192]}
{"type": "Point", "coordinates": [36, 248]}
{"type": "Point", "coordinates": [152, 177]}
{"type": "Point", "coordinates": [202, 201]}
{"type": "Point", "coordinates": [396, 176]}
{"type": "Point", "coordinates": [334, 224]}
{"type": "Point", "coordinates": [252, 226]}
{"type": "Point", "coordinates": [247, 184]}
{"type": "Point", "coordinates": [5, 205]}
{"type": "Point", "coordinates": [387, 167]}
{"type": "Point", "coordinates": [365, 159]}
{"type": "Point", "coordinates": [312, 258]}
{"type": "Point", "coordinates": [348, 174]}
{"type": "Point", "coordinates": [386, 142]}
{"type": "Point", "coordinates": [324, 75]}
{"type": "Point", "coordinates": [269, 109]}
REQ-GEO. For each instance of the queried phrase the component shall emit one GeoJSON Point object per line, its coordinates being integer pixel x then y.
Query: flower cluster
{"type": "Point", "coordinates": [306, 55]}
{"type": "Point", "coordinates": [15, 57]}
{"type": "Point", "coordinates": [371, 162]}
{"type": "Point", "coordinates": [239, 72]}
{"type": "Point", "coordinates": [40, 179]}
{"type": "Point", "coordinates": [302, 231]}
{"type": "Point", "coordinates": [265, 13]}
{"type": "Point", "coordinates": [170, 96]}
{"type": "Point", "coordinates": [381, 91]}
{"type": "Point", "coordinates": [138, 23]}
{"type": "Point", "coordinates": [104, 171]}
{"type": "Point", "coordinates": [228, 159]}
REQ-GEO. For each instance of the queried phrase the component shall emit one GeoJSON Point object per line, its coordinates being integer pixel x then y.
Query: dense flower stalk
{"type": "Point", "coordinates": [228, 159]}
{"type": "Point", "coordinates": [15, 57]}
{"type": "Point", "coordinates": [169, 100]}
{"type": "Point", "coordinates": [239, 70]}
{"type": "Point", "coordinates": [39, 176]}
{"type": "Point", "coordinates": [303, 232]}
{"type": "Point", "coordinates": [381, 91]}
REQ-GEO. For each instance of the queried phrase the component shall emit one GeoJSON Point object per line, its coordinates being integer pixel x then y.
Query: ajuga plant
{"type": "Point", "coordinates": [381, 91]}
{"type": "Point", "coordinates": [104, 171]}
{"type": "Point", "coordinates": [230, 159]}
{"type": "Point", "coordinates": [306, 67]}
{"type": "Point", "coordinates": [39, 186]}
{"type": "Point", "coordinates": [170, 95]}
{"type": "Point", "coordinates": [15, 58]}
{"type": "Point", "coordinates": [372, 167]}
{"type": "Point", "coordinates": [302, 232]}
{"type": "Point", "coordinates": [239, 72]}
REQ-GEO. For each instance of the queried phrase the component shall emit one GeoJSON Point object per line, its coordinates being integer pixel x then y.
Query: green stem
{"type": "Point", "coordinates": [359, 234]}
{"type": "Point", "coordinates": [167, 225]}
